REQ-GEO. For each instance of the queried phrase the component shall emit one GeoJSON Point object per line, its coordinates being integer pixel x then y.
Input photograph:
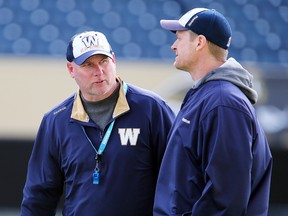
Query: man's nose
{"type": "Point", "coordinates": [97, 70]}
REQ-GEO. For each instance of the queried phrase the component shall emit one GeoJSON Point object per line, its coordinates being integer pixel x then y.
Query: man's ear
{"type": "Point", "coordinates": [70, 69]}
{"type": "Point", "coordinates": [113, 58]}
{"type": "Point", "coordinates": [201, 41]}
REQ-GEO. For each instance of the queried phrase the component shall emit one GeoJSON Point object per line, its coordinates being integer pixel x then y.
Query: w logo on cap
{"type": "Point", "coordinates": [86, 44]}
{"type": "Point", "coordinates": [90, 41]}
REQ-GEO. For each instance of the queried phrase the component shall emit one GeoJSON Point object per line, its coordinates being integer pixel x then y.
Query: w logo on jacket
{"type": "Point", "coordinates": [130, 134]}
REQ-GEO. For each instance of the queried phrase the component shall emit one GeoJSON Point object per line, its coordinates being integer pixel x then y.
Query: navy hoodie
{"type": "Point", "coordinates": [217, 161]}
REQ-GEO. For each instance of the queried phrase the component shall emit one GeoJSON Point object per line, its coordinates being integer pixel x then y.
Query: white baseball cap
{"type": "Point", "coordinates": [86, 44]}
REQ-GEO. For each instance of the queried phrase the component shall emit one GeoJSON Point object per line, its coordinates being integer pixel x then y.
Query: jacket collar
{"type": "Point", "coordinates": [79, 113]}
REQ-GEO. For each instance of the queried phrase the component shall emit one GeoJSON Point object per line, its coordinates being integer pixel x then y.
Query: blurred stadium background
{"type": "Point", "coordinates": [33, 39]}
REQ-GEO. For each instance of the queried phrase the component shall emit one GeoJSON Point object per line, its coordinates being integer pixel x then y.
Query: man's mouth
{"type": "Point", "coordinates": [99, 82]}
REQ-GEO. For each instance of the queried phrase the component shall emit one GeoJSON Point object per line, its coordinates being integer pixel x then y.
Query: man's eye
{"type": "Point", "coordinates": [104, 60]}
{"type": "Point", "coordinates": [86, 64]}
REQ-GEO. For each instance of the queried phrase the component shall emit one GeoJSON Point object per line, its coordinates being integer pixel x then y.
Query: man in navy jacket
{"type": "Point", "coordinates": [217, 160]}
{"type": "Point", "coordinates": [104, 144]}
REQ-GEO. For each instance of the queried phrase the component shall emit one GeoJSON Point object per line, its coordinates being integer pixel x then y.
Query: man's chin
{"type": "Point", "coordinates": [177, 65]}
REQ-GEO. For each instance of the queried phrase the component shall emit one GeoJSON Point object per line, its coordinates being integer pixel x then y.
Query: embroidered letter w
{"type": "Point", "coordinates": [130, 134]}
{"type": "Point", "coordinates": [90, 41]}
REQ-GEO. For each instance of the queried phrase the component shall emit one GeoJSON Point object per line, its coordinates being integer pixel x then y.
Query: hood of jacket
{"type": "Point", "coordinates": [233, 72]}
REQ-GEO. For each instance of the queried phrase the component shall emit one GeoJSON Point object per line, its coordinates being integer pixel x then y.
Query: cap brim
{"type": "Point", "coordinates": [79, 60]}
{"type": "Point", "coordinates": [172, 25]}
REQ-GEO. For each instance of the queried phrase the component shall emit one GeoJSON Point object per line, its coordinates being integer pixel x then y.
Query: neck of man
{"type": "Point", "coordinates": [204, 66]}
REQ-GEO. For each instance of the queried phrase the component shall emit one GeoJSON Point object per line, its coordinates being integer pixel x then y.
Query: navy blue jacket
{"type": "Point", "coordinates": [63, 157]}
{"type": "Point", "coordinates": [217, 161]}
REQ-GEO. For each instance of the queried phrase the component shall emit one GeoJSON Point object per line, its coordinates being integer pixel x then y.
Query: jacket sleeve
{"type": "Point", "coordinates": [162, 120]}
{"type": "Point", "coordinates": [44, 181]}
{"type": "Point", "coordinates": [226, 151]}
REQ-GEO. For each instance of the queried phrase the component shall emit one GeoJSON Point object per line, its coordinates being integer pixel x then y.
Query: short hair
{"type": "Point", "coordinates": [218, 52]}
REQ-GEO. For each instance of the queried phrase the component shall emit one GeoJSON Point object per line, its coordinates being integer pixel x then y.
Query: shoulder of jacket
{"type": "Point", "coordinates": [67, 103]}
